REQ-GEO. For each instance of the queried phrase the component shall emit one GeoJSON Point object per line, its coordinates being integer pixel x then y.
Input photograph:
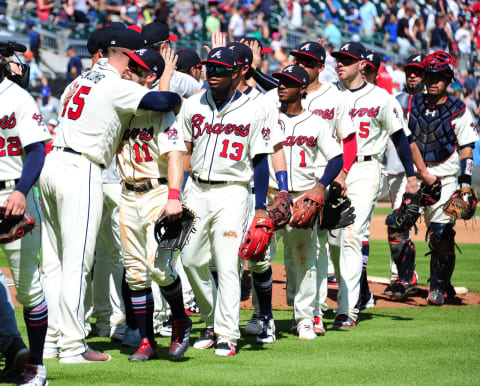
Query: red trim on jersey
{"type": "Point", "coordinates": [349, 151]}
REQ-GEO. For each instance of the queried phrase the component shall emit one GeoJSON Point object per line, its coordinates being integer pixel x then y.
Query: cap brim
{"type": "Point", "coordinates": [296, 53]}
{"type": "Point", "coordinates": [336, 54]}
{"type": "Point", "coordinates": [419, 65]}
{"type": "Point", "coordinates": [137, 59]}
{"type": "Point", "coordinates": [216, 62]}
{"type": "Point", "coordinates": [279, 75]}
{"type": "Point", "coordinates": [372, 65]}
{"type": "Point", "coordinates": [266, 50]}
{"type": "Point", "coordinates": [135, 28]}
{"type": "Point", "coordinates": [172, 37]}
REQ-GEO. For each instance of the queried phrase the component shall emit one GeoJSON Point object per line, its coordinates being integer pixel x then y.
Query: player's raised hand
{"type": "Point", "coordinates": [218, 40]}
{"type": "Point", "coordinates": [257, 53]}
{"type": "Point", "coordinates": [15, 204]}
{"type": "Point", "coordinates": [322, 42]}
{"type": "Point", "coordinates": [170, 59]}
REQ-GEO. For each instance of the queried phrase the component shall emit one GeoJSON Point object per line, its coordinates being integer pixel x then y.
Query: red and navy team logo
{"type": "Point", "coordinates": [8, 122]}
{"type": "Point", "coordinates": [266, 133]}
{"type": "Point", "coordinates": [172, 134]}
{"type": "Point", "coordinates": [38, 118]}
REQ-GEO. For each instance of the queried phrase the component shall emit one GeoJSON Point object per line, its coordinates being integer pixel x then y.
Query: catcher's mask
{"type": "Point", "coordinates": [440, 62]}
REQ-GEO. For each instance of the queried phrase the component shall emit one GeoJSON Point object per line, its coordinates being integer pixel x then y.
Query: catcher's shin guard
{"type": "Point", "coordinates": [403, 253]}
{"type": "Point", "coordinates": [442, 262]}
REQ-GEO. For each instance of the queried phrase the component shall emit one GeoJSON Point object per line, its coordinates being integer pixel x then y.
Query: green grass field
{"type": "Point", "coordinates": [424, 345]}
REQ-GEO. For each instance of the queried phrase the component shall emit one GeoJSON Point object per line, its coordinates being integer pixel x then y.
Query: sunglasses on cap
{"type": "Point", "coordinates": [308, 63]}
{"type": "Point", "coordinates": [346, 60]}
{"type": "Point", "coordinates": [217, 69]}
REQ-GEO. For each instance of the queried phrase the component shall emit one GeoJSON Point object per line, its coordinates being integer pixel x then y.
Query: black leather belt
{"type": "Point", "coordinates": [9, 183]}
{"type": "Point", "coordinates": [363, 158]}
{"type": "Point", "coordinates": [69, 150]}
{"type": "Point", "coordinates": [141, 187]}
{"type": "Point", "coordinates": [213, 182]}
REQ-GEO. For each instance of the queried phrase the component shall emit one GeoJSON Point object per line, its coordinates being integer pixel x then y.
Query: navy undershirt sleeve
{"type": "Point", "coordinates": [400, 141]}
{"type": "Point", "coordinates": [266, 81]}
{"type": "Point", "coordinates": [331, 170]}
{"type": "Point", "coordinates": [260, 180]}
{"type": "Point", "coordinates": [32, 166]}
{"type": "Point", "coordinates": [161, 101]}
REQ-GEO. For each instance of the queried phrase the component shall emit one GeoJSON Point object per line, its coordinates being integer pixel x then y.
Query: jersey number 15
{"type": "Point", "coordinates": [78, 101]}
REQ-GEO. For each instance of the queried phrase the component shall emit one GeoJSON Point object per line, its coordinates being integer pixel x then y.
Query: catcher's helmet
{"type": "Point", "coordinates": [440, 62]}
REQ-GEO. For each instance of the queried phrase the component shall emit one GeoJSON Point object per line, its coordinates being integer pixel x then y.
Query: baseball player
{"type": "Point", "coordinates": [375, 116]}
{"type": "Point", "coordinates": [23, 135]}
{"type": "Point", "coordinates": [71, 188]}
{"type": "Point", "coordinates": [224, 133]}
{"type": "Point", "coordinates": [441, 124]}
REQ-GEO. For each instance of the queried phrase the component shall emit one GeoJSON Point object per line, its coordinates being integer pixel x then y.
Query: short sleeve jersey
{"type": "Point", "coordinates": [21, 124]}
{"type": "Point", "coordinates": [93, 117]}
{"type": "Point", "coordinates": [144, 145]}
{"type": "Point", "coordinates": [224, 141]}
{"type": "Point", "coordinates": [306, 136]}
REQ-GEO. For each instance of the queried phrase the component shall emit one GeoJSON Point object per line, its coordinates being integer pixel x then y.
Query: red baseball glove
{"type": "Point", "coordinates": [14, 227]}
{"type": "Point", "coordinates": [307, 209]}
{"type": "Point", "coordinates": [257, 238]}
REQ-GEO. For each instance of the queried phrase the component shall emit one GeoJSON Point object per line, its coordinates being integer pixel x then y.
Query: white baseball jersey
{"type": "Point", "coordinates": [225, 141]}
{"type": "Point", "coordinates": [144, 145]}
{"type": "Point", "coordinates": [97, 134]}
{"type": "Point", "coordinates": [306, 136]}
{"type": "Point", "coordinates": [376, 115]}
{"type": "Point", "coordinates": [21, 124]}
{"type": "Point", "coordinates": [464, 128]}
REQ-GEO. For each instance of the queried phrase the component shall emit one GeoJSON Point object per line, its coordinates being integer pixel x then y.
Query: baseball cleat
{"type": "Point", "coordinates": [117, 333]}
{"type": "Point", "coordinates": [388, 290]}
{"type": "Point", "coordinates": [370, 303]}
{"type": "Point", "coordinates": [51, 352]}
{"type": "Point", "coordinates": [180, 334]}
{"type": "Point", "coordinates": [401, 289]}
{"type": "Point", "coordinates": [16, 357]}
{"type": "Point", "coordinates": [436, 297]}
{"type": "Point", "coordinates": [144, 353]}
{"type": "Point", "coordinates": [206, 340]}
{"type": "Point", "coordinates": [267, 330]}
{"type": "Point", "coordinates": [89, 356]}
{"type": "Point", "coordinates": [305, 330]}
{"type": "Point", "coordinates": [166, 329]}
{"type": "Point", "coordinates": [226, 349]}
{"type": "Point", "coordinates": [344, 322]}
{"type": "Point", "coordinates": [34, 375]}
{"type": "Point", "coordinates": [253, 326]}
{"type": "Point", "coordinates": [318, 327]}
{"type": "Point", "coordinates": [131, 338]}
{"type": "Point", "coordinates": [293, 327]}
{"type": "Point", "coordinates": [193, 310]}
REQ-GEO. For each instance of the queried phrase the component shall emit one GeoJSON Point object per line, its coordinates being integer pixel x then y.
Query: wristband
{"type": "Point", "coordinates": [173, 194]}
{"type": "Point", "coordinates": [282, 180]}
{"type": "Point", "coordinates": [466, 171]}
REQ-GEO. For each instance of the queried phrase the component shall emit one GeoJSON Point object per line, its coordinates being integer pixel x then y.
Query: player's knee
{"type": "Point", "coordinates": [395, 234]}
{"type": "Point", "coordinates": [441, 238]}
{"type": "Point", "coordinates": [28, 298]}
{"type": "Point", "coordinates": [136, 280]}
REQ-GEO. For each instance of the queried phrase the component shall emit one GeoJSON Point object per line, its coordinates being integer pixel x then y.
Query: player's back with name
{"type": "Point", "coordinates": [225, 141]}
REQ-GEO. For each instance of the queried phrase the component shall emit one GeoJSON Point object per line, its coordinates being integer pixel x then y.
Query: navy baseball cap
{"type": "Point", "coordinates": [311, 49]}
{"type": "Point", "coordinates": [223, 56]}
{"type": "Point", "coordinates": [187, 58]}
{"type": "Point", "coordinates": [264, 50]}
{"type": "Point", "coordinates": [125, 38]}
{"type": "Point", "coordinates": [373, 59]}
{"type": "Point", "coordinates": [244, 53]}
{"type": "Point", "coordinates": [415, 60]}
{"type": "Point", "coordinates": [355, 50]}
{"type": "Point", "coordinates": [149, 59]}
{"type": "Point", "coordinates": [157, 32]}
{"type": "Point", "coordinates": [297, 73]}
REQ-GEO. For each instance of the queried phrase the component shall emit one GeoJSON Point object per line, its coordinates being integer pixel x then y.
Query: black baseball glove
{"type": "Point", "coordinates": [174, 234]}
{"type": "Point", "coordinates": [338, 211]}
{"type": "Point", "coordinates": [409, 211]}
{"type": "Point", "coordinates": [430, 194]}
{"type": "Point", "coordinates": [14, 227]}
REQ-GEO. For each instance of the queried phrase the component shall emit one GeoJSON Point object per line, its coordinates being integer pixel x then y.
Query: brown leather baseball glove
{"type": "Point", "coordinates": [14, 227]}
{"type": "Point", "coordinates": [461, 204]}
{"type": "Point", "coordinates": [279, 210]}
{"type": "Point", "coordinates": [307, 209]}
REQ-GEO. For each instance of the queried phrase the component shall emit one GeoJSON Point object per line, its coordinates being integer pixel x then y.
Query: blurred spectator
{"type": "Point", "coordinates": [74, 65]}
{"type": "Point", "coordinates": [417, 33]}
{"type": "Point", "coordinates": [129, 12]}
{"type": "Point", "coordinates": [331, 10]}
{"type": "Point", "coordinates": [113, 8]}
{"type": "Point", "coordinates": [309, 19]}
{"type": "Point", "coordinates": [398, 78]}
{"type": "Point", "coordinates": [236, 26]}
{"type": "Point", "coordinates": [80, 10]}
{"type": "Point", "coordinates": [52, 125]}
{"type": "Point", "coordinates": [162, 11]}
{"type": "Point", "coordinates": [294, 15]}
{"type": "Point", "coordinates": [464, 37]}
{"type": "Point", "coordinates": [384, 80]}
{"type": "Point", "coordinates": [35, 40]}
{"type": "Point", "coordinates": [440, 36]}
{"type": "Point", "coordinates": [181, 14]}
{"type": "Point", "coordinates": [385, 16]}
{"type": "Point", "coordinates": [37, 78]}
{"type": "Point", "coordinates": [404, 38]}
{"type": "Point", "coordinates": [264, 9]}
{"type": "Point", "coordinates": [368, 13]}
{"type": "Point", "coordinates": [276, 44]}
{"type": "Point", "coordinates": [329, 74]}
{"type": "Point", "coordinates": [470, 83]}
{"type": "Point", "coordinates": [47, 107]}
{"type": "Point", "coordinates": [194, 22]}
{"type": "Point", "coordinates": [332, 33]}
{"type": "Point", "coordinates": [62, 18]}
{"type": "Point", "coordinates": [44, 8]}
{"type": "Point", "coordinates": [428, 14]}
{"type": "Point", "coordinates": [353, 21]}
{"type": "Point", "coordinates": [212, 23]}
{"type": "Point", "coordinates": [391, 33]}
{"type": "Point", "coordinates": [471, 104]}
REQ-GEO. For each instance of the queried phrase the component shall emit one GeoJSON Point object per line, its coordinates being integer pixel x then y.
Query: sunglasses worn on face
{"type": "Point", "coordinates": [416, 72]}
{"type": "Point", "coordinates": [308, 63]}
{"type": "Point", "coordinates": [346, 60]}
{"type": "Point", "coordinates": [134, 68]}
{"type": "Point", "coordinates": [218, 69]}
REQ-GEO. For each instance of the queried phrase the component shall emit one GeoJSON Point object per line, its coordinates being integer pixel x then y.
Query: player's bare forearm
{"type": "Point", "coordinates": [319, 188]}
{"type": "Point", "coordinates": [427, 177]}
{"type": "Point", "coordinates": [15, 204]}
{"type": "Point", "coordinates": [175, 169]}
{"type": "Point", "coordinates": [465, 152]}
{"type": "Point", "coordinates": [342, 176]}
{"type": "Point", "coordinates": [412, 185]}
{"type": "Point", "coordinates": [278, 158]}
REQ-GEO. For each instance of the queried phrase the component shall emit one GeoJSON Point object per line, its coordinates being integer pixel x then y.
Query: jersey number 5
{"type": "Point", "coordinates": [364, 129]}
{"type": "Point", "coordinates": [79, 102]}
{"type": "Point", "coordinates": [236, 155]}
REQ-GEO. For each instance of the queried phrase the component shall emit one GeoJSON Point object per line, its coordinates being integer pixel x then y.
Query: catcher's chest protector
{"type": "Point", "coordinates": [431, 127]}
